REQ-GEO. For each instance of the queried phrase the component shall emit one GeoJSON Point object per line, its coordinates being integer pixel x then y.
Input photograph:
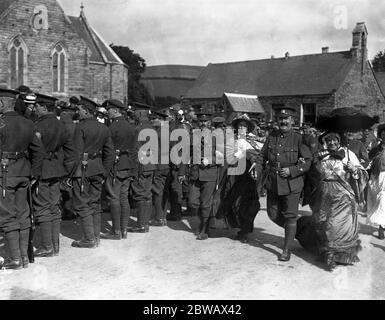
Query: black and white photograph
{"type": "Point", "coordinates": [192, 154]}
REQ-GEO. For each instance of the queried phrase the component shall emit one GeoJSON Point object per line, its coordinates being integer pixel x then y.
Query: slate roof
{"type": "Point", "coordinates": [298, 75]}
{"type": "Point", "coordinates": [380, 76]}
{"type": "Point", "coordinates": [173, 71]}
{"type": "Point", "coordinates": [171, 87]}
{"type": "Point", "coordinates": [244, 103]}
{"type": "Point", "coordinates": [100, 51]}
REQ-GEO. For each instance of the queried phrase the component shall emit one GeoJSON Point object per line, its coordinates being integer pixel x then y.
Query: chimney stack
{"type": "Point", "coordinates": [287, 55]}
{"type": "Point", "coordinates": [325, 50]}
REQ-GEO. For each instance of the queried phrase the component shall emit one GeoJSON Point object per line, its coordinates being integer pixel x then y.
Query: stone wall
{"type": "Point", "coordinates": [40, 45]}
{"type": "Point", "coordinates": [360, 88]}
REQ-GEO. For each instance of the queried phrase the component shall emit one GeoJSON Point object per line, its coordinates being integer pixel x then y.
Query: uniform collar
{"type": "Point", "coordinates": [118, 118]}
{"type": "Point", "coordinates": [47, 116]}
{"type": "Point", "coordinates": [90, 119]}
{"type": "Point", "coordinates": [11, 113]}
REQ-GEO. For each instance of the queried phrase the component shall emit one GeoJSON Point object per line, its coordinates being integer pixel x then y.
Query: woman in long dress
{"type": "Point", "coordinates": [240, 200]}
{"type": "Point", "coordinates": [339, 180]}
{"type": "Point", "coordinates": [376, 185]}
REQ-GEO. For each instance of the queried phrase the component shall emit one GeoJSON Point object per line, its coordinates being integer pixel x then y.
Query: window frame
{"type": "Point", "coordinates": [22, 46]}
{"type": "Point", "coordinates": [59, 77]}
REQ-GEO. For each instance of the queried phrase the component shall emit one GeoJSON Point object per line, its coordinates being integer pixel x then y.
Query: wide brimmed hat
{"type": "Point", "coordinates": [243, 118]}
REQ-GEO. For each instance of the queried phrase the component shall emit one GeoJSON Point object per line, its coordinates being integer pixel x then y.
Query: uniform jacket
{"type": "Point", "coordinates": [66, 119]}
{"type": "Point", "coordinates": [18, 136]}
{"type": "Point", "coordinates": [201, 172]}
{"type": "Point", "coordinates": [59, 149]}
{"type": "Point", "coordinates": [93, 137]}
{"type": "Point", "coordinates": [284, 150]}
{"type": "Point", "coordinates": [147, 167]}
{"type": "Point", "coordinates": [125, 138]}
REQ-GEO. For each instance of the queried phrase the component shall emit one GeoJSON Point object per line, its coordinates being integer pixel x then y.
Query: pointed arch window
{"type": "Point", "coordinates": [18, 53]}
{"type": "Point", "coordinates": [59, 68]}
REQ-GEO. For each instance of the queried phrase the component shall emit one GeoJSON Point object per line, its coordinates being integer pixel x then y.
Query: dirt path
{"type": "Point", "coordinates": [168, 263]}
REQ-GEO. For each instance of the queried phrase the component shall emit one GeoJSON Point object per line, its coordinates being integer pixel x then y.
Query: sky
{"type": "Point", "coordinates": [198, 32]}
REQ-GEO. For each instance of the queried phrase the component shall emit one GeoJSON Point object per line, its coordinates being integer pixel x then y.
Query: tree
{"type": "Point", "coordinates": [379, 62]}
{"type": "Point", "coordinates": [136, 66]}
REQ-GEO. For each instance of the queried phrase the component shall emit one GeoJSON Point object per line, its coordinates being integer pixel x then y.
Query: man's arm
{"type": "Point", "coordinates": [304, 163]}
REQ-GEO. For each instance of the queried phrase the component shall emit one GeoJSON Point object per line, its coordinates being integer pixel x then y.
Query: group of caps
{"type": "Point", "coordinates": [29, 98]}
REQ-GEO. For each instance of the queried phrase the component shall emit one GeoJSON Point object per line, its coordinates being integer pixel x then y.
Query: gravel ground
{"type": "Point", "coordinates": [168, 263]}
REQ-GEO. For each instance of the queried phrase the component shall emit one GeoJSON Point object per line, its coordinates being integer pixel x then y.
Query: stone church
{"type": "Point", "coordinates": [56, 54]}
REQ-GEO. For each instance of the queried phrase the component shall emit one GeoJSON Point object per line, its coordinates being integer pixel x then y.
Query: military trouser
{"type": "Point", "coordinates": [142, 196]}
{"type": "Point", "coordinates": [15, 220]}
{"type": "Point", "coordinates": [87, 205]}
{"type": "Point", "coordinates": [47, 211]}
{"type": "Point", "coordinates": [201, 200]}
{"type": "Point", "coordinates": [159, 193]}
{"type": "Point", "coordinates": [176, 194]}
{"type": "Point", "coordinates": [283, 210]}
{"type": "Point", "coordinates": [117, 194]}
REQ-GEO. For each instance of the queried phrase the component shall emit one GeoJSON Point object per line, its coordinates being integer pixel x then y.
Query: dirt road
{"type": "Point", "coordinates": [168, 263]}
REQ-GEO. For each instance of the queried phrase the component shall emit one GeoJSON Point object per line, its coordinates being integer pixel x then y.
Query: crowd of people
{"type": "Point", "coordinates": [60, 159]}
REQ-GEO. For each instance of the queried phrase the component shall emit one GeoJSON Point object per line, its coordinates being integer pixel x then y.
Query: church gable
{"type": "Point", "coordinates": [37, 43]}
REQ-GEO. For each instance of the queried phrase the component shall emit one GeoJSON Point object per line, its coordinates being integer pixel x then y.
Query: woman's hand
{"type": "Point", "coordinates": [350, 166]}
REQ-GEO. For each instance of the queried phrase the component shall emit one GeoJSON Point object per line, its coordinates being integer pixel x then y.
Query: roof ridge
{"type": "Point", "coordinates": [83, 18]}
{"type": "Point", "coordinates": [280, 58]}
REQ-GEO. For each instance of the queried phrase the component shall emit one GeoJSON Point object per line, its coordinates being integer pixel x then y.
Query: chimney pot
{"type": "Point", "coordinates": [287, 55]}
{"type": "Point", "coordinates": [325, 49]}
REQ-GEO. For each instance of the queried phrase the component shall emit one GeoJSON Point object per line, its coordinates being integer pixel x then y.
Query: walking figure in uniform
{"type": "Point", "coordinates": [287, 158]}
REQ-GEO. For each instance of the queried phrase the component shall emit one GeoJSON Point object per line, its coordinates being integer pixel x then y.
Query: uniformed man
{"type": "Point", "coordinates": [95, 153]}
{"type": "Point", "coordinates": [124, 171]}
{"type": "Point", "coordinates": [287, 158]}
{"type": "Point", "coordinates": [142, 185]}
{"type": "Point", "coordinates": [67, 115]}
{"type": "Point", "coordinates": [58, 162]}
{"type": "Point", "coordinates": [179, 182]}
{"type": "Point", "coordinates": [161, 174]}
{"type": "Point", "coordinates": [204, 178]}
{"type": "Point", "coordinates": [21, 159]}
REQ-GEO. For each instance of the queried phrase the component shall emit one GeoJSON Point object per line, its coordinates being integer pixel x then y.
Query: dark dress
{"type": "Point", "coordinates": [332, 230]}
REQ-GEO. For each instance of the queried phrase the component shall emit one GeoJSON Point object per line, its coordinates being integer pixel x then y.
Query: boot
{"type": "Point", "coordinates": [12, 242]}
{"type": "Point", "coordinates": [88, 240]}
{"type": "Point", "coordinates": [204, 233]}
{"type": "Point", "coordinates": [381, 233]}
{"type": "Point", "coordinates": [13, 264]}
{"type": "Point", "coordinates": [25, 262]}
{"type": "Point", "coordinates": [23, 244]}
{"type": "Point", "coordinates": [113, 235]}
{"type": "Point", "coordinates": [115, 218]}
{"type": "Point", "coordinates": [175, 212]}
{"type": "Point", "coordinates": [242, 237]}
{"type": "Point", "coordinates": [141, 215]}
{"type": "Point", "coordinates": [46, 248]}
{"type": "Point", "coordinates": [97, 226]}
{"type": "Point", "coordinates": [56, 236]}
{"type": "Point", "coordinates": [124, 218]}
{"type": "Point", "coordinates": [290, 231]}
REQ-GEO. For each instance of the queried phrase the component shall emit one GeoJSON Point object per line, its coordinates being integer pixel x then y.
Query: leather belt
{"type": "Point", "coordinates": [14, 155]}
